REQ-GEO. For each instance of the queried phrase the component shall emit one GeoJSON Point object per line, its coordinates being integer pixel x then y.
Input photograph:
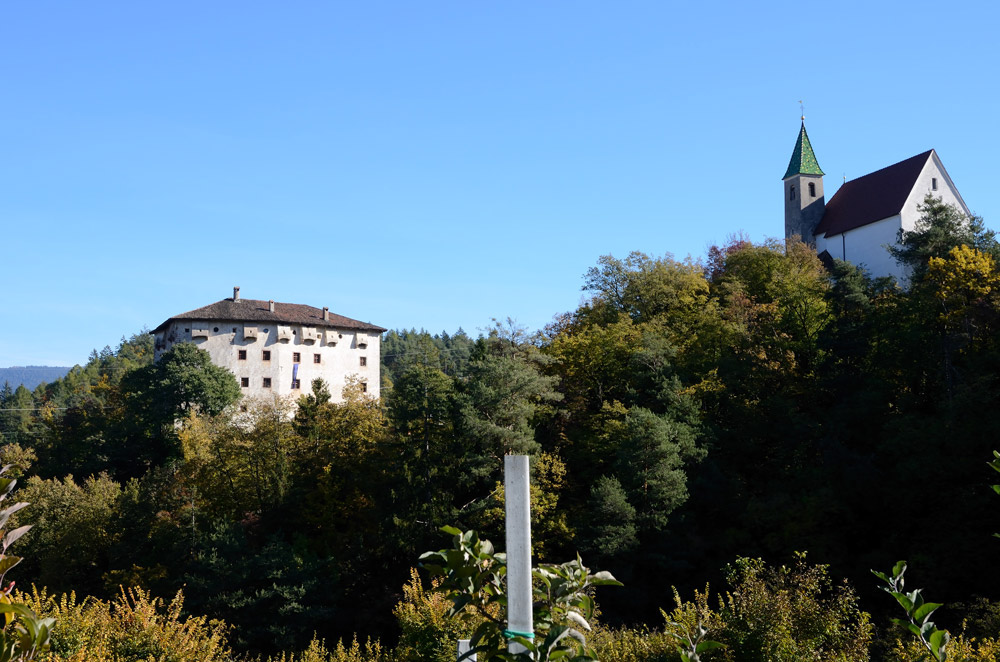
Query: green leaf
{"type": "Point", "coordinates": [578, 619]}
{"type": "Point", "coordinates": [899, 569]}
{"type": "Point", "coordinates": [452, 531]}
{"type": "Point", "coordinates": [707, 646]}
{"type": "Point", "coordinates": [12, 536]}
{"type": "Point", "coordinates": [904, 601]}
{"type": "Point", "coordinates": [925, 610]}
{"type": "Point", "coordinates": [938, 640]}
{"type": "Point", "coordinates": [7, 562]}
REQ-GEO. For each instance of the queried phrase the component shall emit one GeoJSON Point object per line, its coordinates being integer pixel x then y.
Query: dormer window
{"type": "Point", "coordinates": [812, 189]}
{"type": "Point", "coordinates": [791, 192]}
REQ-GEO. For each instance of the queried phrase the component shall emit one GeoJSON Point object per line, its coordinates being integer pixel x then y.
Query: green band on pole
{"type": "Point", "coordinates": [510, 634]}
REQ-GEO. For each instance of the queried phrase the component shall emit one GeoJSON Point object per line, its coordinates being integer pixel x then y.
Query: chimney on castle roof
{"type": "Point", "coordinates": [236, 293]}
{"type": "Point", "coordinates": [326, 314]}
{"type": "Point", "coordinates": [270, 305]}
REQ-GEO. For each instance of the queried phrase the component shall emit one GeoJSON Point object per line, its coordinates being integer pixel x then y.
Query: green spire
{"type": "Point", "coordinates": [803, 160]}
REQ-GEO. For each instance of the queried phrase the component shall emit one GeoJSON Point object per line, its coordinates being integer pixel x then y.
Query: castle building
{"type": "Point", "coordinates": [279, 348]}
{"type": "Point", "coordinates": [865, 215]}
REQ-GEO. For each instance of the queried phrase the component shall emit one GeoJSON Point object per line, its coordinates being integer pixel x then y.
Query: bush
{"type": "Point", "coordinates": [784, 614]}
{"type": "Point", "coordinates": [633, 645]}
{"type": "Point", "coordinates": [133, 628]}
{"type": "Point", "coordinates": [428, 633]}
{"type": "Point", "coordinates": [318, 652]}
{"type": "Point", "coordinates": [789, 614]}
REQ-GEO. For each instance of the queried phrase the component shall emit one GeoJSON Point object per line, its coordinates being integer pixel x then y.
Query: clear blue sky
{"type": "Point", "coordinates": [438, 164]}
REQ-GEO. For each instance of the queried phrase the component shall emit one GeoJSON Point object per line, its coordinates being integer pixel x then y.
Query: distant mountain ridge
{"type": "Point", "coordinates": [31, 376]}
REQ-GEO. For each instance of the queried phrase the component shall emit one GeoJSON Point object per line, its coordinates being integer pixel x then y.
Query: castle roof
{"type": "Point", "coordinates": [871, 198]}
{"type": "Point", "coordinates": [803, 161]}
{"type": "Point", "coordinates": [252, 310]}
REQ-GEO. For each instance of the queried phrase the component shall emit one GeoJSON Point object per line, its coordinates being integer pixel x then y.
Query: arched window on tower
{"type": "Point", "coordinates": [812, 189]}
{"type": "Point", "coordinates": [791, 194]}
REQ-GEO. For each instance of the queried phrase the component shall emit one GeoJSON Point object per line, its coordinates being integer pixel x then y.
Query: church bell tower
{"type": "Point", "coordinates": [804, 201]}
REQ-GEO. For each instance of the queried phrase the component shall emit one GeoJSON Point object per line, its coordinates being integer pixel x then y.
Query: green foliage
{"type": "Point", "coordinates": [135, 627]}
{"type": "Point", "coordinates": [182, 382]}
{"type": "Point", "coordinates": [940, 228]}
{"type": "Point", "coordinates": [918, 613]}
{"type": "Point", "coordinates": [277, 593]}
{"type": "Point", "coordinates": [611, 529]}
{"type": "Point", "coordinates": [651, 454]}
{"type": "Point", "coordinates": [473, 577]}
{"type": "Point", "coordinates": [428, 631]}
{"type": "Point", "coordinates": [789, 614]}
{"type": "Point", "coordinates": [317, 651]}
{"type": "Point", "coordinates": [77, 525]}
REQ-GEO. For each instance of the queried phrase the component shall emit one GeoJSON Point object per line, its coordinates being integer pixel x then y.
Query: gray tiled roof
{"type": "Point", "coordinates": [252, 310]}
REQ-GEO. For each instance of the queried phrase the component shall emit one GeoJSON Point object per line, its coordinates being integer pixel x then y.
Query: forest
{"type": "Point", "coordinates": [744, 437]}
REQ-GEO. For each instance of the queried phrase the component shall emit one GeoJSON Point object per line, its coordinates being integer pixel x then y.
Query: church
{"type": "Point", "coordinates": [865, 215]}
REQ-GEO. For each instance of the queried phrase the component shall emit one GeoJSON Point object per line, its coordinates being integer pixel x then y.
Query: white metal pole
{"type": "Point", "coordinates": [517, 501]}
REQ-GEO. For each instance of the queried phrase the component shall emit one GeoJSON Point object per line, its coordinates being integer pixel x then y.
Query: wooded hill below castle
{"type": "Point", "coordinates": [752, 405]}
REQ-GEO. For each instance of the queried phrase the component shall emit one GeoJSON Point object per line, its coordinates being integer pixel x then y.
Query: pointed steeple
{"type": "Point", "coordinates": [803, 161]}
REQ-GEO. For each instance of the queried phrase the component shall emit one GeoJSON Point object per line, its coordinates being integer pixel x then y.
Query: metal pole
{"type": "Point", "coordinates": [463, 648]}
{"type": "Point", "coordinates": [517, 498]}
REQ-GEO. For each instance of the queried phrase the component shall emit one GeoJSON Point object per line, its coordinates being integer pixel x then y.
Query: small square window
{"type": "Point", "coordinates": [364, 387]}
{"type": "Point", "coordinates": [933, 183]}
{"type": "Point", "coordinates": [364, 361]}
{"type": "Point", "coordinates": [242, 354]}
{"type": "Point", "coordinates": [245, 382]}
{"type": "Point", "coordinates": [267, 382]}
{"type": "Point", "coordinates": [317, 358]}
{"type": "Point", "coordinates": [266, 355]}
{"type": "Point", "coordinates": [296, 357]}
{"type": "Point", "coordinates": [296, 383]}
{"type": "Point", "coordinates": [812, 189]}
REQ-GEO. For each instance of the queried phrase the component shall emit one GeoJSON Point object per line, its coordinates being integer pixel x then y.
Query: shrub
{"type": "Point", "coordinates": [135, 627]}
{"type": "Point", "coordinates": [789, 614]}
{"type": "Point", "coordinates": [318, 652]}
{"type": "Point", "coordinates": [633, 645]}
{"type": "Point", "coordinates": [427, 632]}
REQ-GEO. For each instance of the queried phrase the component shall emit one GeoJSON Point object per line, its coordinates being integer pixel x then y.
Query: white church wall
{"type": "Point", "coordinates": [934, 180]}
{"type": "Point", "coordinates": [865, 246]}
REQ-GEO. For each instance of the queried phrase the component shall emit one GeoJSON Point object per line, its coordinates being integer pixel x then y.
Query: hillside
{"type": "Point", "coordinates": [31, 375]}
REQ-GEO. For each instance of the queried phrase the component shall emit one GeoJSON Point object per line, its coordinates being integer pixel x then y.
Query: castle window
{"type": "Point", "coordinates": [267, 382]}
{"type": "Point", "coordinates": [364, 361]}
{"type": "Point", "coordinates": [933, 183]}
{"type": "Point", "coordinates": [812, 189]}
{"type": "Point", "coordinates": [317, 358]}
{"type": "Point", "coordinates": [242, 354]}
{"type": "Point", "coordinates": [296, 357]}
{"type": "Point", "coordinates": [245, 382]}
{"type": "Point", "coordinates": [296, 383]}
{"type": "Point", "coordinates": [266, 355]}
{"type": "Point", "coordinates": [364, 387]}
{"type": "Point", "coordinates": [791, 194]}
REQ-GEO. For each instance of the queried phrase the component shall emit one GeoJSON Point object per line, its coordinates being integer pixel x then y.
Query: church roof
{"type": "Point", "coordinates": [251, 310]}
{"type": "Point", "coordinates": [871, 198]}
{"type": "Point", "coordinates": [803, 161]}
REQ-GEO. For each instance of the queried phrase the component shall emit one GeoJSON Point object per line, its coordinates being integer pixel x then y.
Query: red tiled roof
{"type": "Point", "coordinates": [251, 310]}
{"type": "Point", "coordinates": [871, 198]}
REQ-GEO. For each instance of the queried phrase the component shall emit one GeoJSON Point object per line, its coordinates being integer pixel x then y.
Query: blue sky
{"type": "Point", "coordinates": [438, 164]}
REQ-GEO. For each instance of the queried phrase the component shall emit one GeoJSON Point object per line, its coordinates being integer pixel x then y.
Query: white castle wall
{"type": "Point", "coordinates": [340, 352]}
